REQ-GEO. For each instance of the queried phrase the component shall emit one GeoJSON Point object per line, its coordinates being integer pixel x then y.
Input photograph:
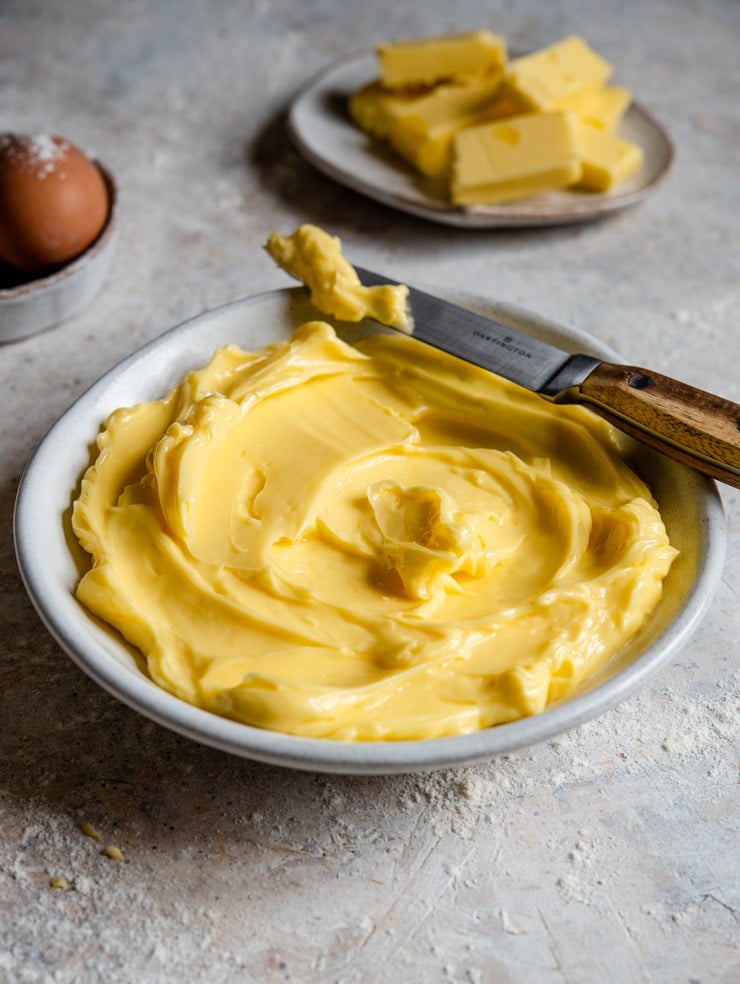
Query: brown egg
{"type": "Point", "coordinates": [53, 202]}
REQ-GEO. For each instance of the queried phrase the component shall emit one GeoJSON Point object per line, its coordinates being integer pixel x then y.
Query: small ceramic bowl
{"type": "Point", "coordinates": [33, 305]}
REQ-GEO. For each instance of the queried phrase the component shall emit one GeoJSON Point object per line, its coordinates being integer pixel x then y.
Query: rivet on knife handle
{"type": "Point", "coordinates": [697, 428]}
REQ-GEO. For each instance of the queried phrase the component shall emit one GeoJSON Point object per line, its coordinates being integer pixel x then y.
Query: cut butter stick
{"type": "Point", "coordinates": [420, 125]}
{"type": "Point", "coordinates": [429, 60]}
{"type": "Point", "coordinates": [515, 158]}
{"type": "Point", "coordinates": [315, 258]}
{"type": "Point", "coordinates": [373, 107]}
{"type": "Point", "coordinates": [550, 78]}
{"type": "Point", "coordinates": [603, 107]}
{"type": "Point", "coordinates": [426, 145]}
{"type": "Point", "coordinates": [605, 158]}
{"type": "Point", "coordinates": [423, 134]}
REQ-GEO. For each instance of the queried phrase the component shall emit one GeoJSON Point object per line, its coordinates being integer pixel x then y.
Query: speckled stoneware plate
{"type": "Point", "coordinates": [320, 127]}
{"type": "Point", "coordinates": [51, 562]}
{"type": "Point", "coordinates": [29, 306]}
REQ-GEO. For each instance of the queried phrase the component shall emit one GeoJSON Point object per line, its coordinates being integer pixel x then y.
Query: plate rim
{"type": "Point", "coordinates": [313, 754]}
{"type": "Point", "coordinates": [506, 216]}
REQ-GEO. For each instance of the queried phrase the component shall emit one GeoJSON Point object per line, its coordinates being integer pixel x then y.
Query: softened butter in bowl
{"type": "Point", "coordinates": [366, 543]}
{"type": "Point", "coordinates": [52, 563]}
{"type": "Point", "coordinates": [369, 542]}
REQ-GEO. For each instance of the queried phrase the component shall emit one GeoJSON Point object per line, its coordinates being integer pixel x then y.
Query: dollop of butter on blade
{"type": "Point", "coordinates": [314, 257]}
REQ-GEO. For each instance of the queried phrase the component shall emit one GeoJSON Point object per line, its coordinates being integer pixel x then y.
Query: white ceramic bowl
{"type": "Point", "coordinates": [51, 562]}
{"type": "Point", "coordinates": [45, 302]}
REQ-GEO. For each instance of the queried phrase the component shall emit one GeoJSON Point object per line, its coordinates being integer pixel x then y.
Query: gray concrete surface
{"type": "Point", "coordinates": [609, 854]}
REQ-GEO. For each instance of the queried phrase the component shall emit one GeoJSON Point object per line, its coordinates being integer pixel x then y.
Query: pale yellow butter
{"type": "Point", "coordinates": [515, 158]}
{"type": "Point", "coordinates": [425, 61]}
{"type": "Point", "coordinates": [423, 134]}
{"type": "Point", "coordinates": [373, 107]}
{"type": "Point", "coordinates": [371, 542]}
{"type": "Point", "coordinates": [365, 542]}
{"type": "Point", "coordinates": [315, 258]}
{"type": "Point", "coordinates": [420, 126]}
{"type": "Point", "coordinates": [549, 78]}
{"type": "Point", "coordinates": [427, 146]}
{"type": "Point", "coordinates": [606, 159]}
{"type": "Point", "coordinates": [436, 125]}
{"type": "Point", "coordinates": [604, 106]}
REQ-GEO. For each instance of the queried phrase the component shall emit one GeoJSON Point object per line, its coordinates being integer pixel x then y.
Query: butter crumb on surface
{"type": "Point", "coordinates": [89, 831]}
{"type": "Point", "coordinates": [59, 883]}
{"type": "Point", "coordinates": [114, 853]}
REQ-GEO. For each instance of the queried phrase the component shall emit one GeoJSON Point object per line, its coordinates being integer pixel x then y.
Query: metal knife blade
{"type": "Point", "coordinates": [484, 342]}
{"type": "Point", "coordinates": [690, 425]}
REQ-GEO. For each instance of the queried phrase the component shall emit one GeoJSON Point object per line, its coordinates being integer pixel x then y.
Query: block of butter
{"type": "Point", "coordinates": [423, 134]}
{"type": "Point", "coordinates": [426, 61]}
{"type": "Point", "coordinates": [549, 79]}
{"type": "Point", "coordinates": [373, 107]}
{"type": "Point", "coordinates": [515, 158]}
{"type": "Point", "coordinates": [378, 110]}
{"type": "Point", "coordinates": [604, 107]}
{"type": "Point", "coordinates": [605, 158]}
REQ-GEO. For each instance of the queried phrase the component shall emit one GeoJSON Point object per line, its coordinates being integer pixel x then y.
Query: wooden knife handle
{"type": "Point", "coordinates": [685, 423]}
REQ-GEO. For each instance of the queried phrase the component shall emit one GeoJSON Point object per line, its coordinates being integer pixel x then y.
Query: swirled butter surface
{"type": "Point", "coordinates": [367, 542]}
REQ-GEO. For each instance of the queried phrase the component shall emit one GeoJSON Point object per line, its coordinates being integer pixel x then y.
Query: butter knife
{"type": "Point", "coordinates": [696, 428]}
